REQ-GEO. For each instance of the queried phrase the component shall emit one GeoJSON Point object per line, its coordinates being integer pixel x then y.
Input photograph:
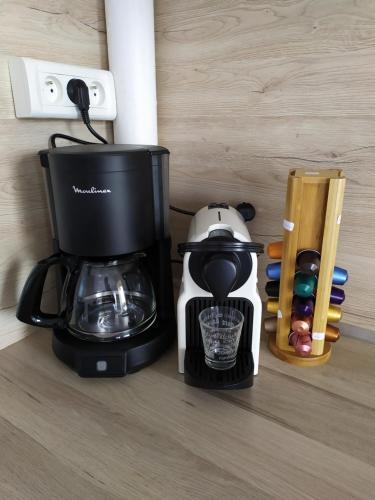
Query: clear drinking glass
{"type": "Point", "coordinates": [221, 331]}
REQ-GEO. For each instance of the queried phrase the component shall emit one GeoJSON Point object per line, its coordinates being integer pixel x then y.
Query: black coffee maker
{"type": "Point", "coordinates": [109, 209]}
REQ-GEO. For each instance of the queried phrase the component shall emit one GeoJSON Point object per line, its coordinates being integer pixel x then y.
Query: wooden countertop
{"type": "Point", "coordinates": [298, 433]}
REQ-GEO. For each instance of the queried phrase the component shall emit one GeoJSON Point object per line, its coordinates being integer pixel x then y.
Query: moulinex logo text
{"type": "Point", "coordinates": [92, 190]}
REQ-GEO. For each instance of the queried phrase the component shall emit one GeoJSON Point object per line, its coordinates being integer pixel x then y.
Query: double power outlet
{"type": "Point", "coordinates": [40, 89]}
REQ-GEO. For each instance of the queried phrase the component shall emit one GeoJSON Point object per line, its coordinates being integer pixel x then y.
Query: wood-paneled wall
{"type": "Point", "coordinates": [68, 31]}
{"type": "Point", "coordinates": [248, 90]}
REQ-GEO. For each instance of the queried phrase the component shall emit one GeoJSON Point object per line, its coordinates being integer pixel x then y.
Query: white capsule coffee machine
{"type": "Point", "coordinates": [219, 269]}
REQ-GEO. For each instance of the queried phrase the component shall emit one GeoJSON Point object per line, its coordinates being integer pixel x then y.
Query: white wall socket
{"type": "Point", "coordinates": [39, 89]}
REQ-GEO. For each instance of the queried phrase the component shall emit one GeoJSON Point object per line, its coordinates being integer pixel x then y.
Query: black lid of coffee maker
{"type": "Point", "coordinates": [85, 149]}
{"type": "Point", "coordinates": [103, 196]}
{"type": "Point", "coordinates": [90, 152]}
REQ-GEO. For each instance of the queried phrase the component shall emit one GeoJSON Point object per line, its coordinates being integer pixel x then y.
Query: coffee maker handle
{"type": "Point", "coordinates": [28, 310]}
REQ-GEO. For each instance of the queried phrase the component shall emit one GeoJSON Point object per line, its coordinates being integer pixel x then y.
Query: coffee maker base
{"type": "Point", "coordinates": [113, 359]}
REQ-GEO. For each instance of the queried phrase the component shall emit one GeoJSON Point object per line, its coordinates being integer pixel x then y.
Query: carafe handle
{"type": "Point", "coordinates": [28, 310]}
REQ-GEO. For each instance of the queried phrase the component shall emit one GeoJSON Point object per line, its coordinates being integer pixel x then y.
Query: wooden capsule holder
{"type": "Point", "coordinates": [312, 221]}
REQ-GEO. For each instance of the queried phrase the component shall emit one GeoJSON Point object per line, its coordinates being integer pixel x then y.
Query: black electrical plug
{"type": "Point", "coordinates": [78, 92]}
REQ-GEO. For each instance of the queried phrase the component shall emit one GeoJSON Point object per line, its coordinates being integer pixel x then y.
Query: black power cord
{"type": "Point", "coordinates": [78, 93]}
{"type": "Point", "coordinates": [53, 137]}
{"type": "Point", "coordinates": [181, 211]}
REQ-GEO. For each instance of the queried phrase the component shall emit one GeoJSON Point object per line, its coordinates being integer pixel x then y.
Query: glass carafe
{"type": "Point", "coordinates": [112, 300]}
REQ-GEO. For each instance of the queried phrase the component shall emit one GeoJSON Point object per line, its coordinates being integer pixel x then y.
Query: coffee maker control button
{"type": "Point", "coordinates": [101, 366]}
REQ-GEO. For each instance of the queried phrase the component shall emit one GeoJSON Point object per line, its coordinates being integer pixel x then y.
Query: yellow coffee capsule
{"type": "Point", "coordinates": [270, 324]}
{"type": "Point", "coordinates": [272, 305]}
{"type": "Point", "coordinates": [275, 250]}
{"type": "Point", "coordinates": [334, 313]}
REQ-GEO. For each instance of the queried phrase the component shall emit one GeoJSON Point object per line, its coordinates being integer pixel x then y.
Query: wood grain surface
{"type": "Point", "coordinates": [67, 31]}
{"type": "Point", "coordinates": [298, 433]}
{"type": "Point", "coordinates": [250, 89]}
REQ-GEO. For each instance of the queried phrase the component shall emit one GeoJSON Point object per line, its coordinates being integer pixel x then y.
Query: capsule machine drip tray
{"type": "Point", "coordinates": [197, 373]}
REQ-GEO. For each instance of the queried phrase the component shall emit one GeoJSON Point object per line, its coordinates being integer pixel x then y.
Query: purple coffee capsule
{"type": "Point", "coordinates": [303, 307]}
{"type": "Point", "coordinates": [337, 295]}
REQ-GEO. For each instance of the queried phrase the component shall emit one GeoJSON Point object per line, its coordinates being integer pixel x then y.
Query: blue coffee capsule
{"type": "Point", "coordinates": [273, 271]}
{"type": "Point", "coordinates": [340, 276]}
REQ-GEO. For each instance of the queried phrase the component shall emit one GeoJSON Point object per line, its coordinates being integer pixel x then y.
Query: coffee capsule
{"type": "Point", "coordinates": [270, 324]}
{"type": "Point", "coordinates": [272, 288]}
{"type": "Point", "coordinates": [304, 284]}
{"type": "Point", "coordinates": [272, 305]}
{"type": "Point", "coordinates": [332, 333]}
{"type": "Point", "coordinates": [273, 271]}
{"type": "Point", "coordinates": [302, 306]}
{"type": "Point", "coordinates": [337, 295]}
{"type": "Point", "coordinates": [275, 250]}
{"type": "Point", "coordinates": [292, 337]}
{"type": "Point", "coordinates": [301, 343]}
{"type": "Point", "coordinates": [301, 324]}
{"type": "Point", "coordinates": [334, 313]}
{"type": "Point", "coordinates": [340, 276]}
{"type": "Point", "coordinates": [308, 261]}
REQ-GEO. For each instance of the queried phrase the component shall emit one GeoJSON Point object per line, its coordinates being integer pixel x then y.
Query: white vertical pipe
{"type": "Point", "coordinates": [131, 54]}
